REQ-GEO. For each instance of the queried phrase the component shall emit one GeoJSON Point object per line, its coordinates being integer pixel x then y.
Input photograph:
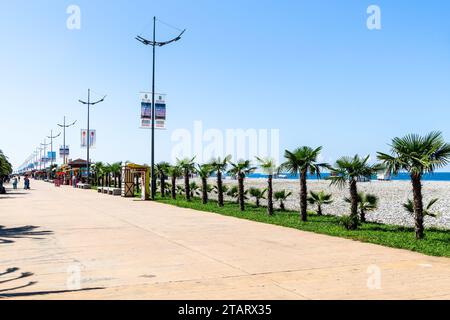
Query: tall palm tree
{"type": "Point", "coordinates": [258, 194]}
{"type": "Point", "coordinates": [174, 172]}
{"type": "Point", "coordinates": [303, 161]}
{"type": "Point", "coordinates": [417, 155]}
{"type": "Point", "coordinates": [204, 171]}
{"type": "Point", "coordinates": [162, 170]}
{"type": "Point", "coordinates": [281, 196]}
{"type": "Point", "coordinates": [320, 199]}
{"type": "Point", "coordinates": [116, 171]}
{"type": "Point", "coordinates": [220, 166]}
{"type": "Point", "coordinates": [98, 169]}
{"type": "Point", "coordinates": [240, 170]}
{"type": "Point", "coordinates": [188, 167]}
{"type": "Point", "coordinates": [349, 170]}
{"type": "Point", "coordinates": [268, 166]}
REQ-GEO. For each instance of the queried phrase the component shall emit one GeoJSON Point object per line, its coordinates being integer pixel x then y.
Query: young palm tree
{"type": "Point", "coordinates": [204, 171]}
{"type": "Point", "coordinates": [107, 171]}
{"type": "Point", "coordinates": [233, 193]}
{"type": "Point", "coordinates": [349, 170]}
{"type": "Point", "coordinates": [366, 202]}
{"type": "Point", "coordinates": [319, 199]}
{"type": "Point", "coordinates": [409, 206]}
{"type": "Point", "coordinates": [268, 166]}
{"type": "Point", "coordinates": [162, 170]}
{"type": "Point", "coordinates": [194, 189]}
{"type": "Point", "coordinates": [188, 167]}
{"type": "Point", "coordinates": [281, 197]}
{"type": "Point", "coordinates": [258, 194]}
{"type": "Point", "coordinates": [240, 170]}
{"type": "Point", "coordinates": [174, 172]}
{"type": "Point", "coordinates": [417, 155]}
{"type": "Point", "coordinates": [220, 166]}
{"type": "Point", "coordinates": [303, 161]}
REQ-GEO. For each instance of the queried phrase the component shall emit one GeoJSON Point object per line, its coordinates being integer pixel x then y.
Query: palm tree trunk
{"type": "Point", "coordinates": [354, 204]}
{"type": "Point", "coordinates": [363, 215]}
{"type": "Point", "coordinates": [282, 207]}
{"type": "Point", "coordinates": [241, 193]}
{"type": "Point", "coordinates": [220, 188]}
{"type": "Point", "coordinates": [418, 205]}
{"type": "Point", "coordinates": [204, 190]}
{"type": "Point", "coordinates": [163, 185]}
{"type": "Point", "coordinates": [270, 195]}
{"type": "Point", "coordinates": [257, 202]}
{"type": "Point", "coordinates": [120, 180]}
{"type": "Point", "coordinates": [319, 210]}
{"type": "Point", "coordinates": [303, 196]}
{"type": "Point", "coordinates": [187, 187]}
{"type": "Point", "coordinates": [174, 187]}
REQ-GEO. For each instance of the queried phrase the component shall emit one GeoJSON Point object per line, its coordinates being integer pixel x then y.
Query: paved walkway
{"type": "Point", "coordinates": [128, 249]}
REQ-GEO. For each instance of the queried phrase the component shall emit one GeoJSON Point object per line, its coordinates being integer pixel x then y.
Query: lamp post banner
{"type": "Point", "coordinates": [64, 151]}
{"type": "Point", "coordinates": [160, 111]}
{"type": "Point", "coordinates": [92, 138]}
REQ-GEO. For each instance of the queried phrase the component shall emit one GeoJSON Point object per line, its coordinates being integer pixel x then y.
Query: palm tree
{"type": "Point", "coordinates": [349, 170]}
{"type": "Point", "coordinates": [162, 170]}
{"type": "Point", "coordinates": [204, 171]}
{"type": "Point", "coordinates": [5, 170]}
{"type": "Point", "coordinates": [194, 189]}
{"type": "Point", "coordinates": [224, 189]}
{"type": "Point", "coordinates": [281, 196]}
{"type": "Point", "coordinates": [268, 166]}
{"type": "Point", "coordinates": [240, 170]}
{"type": "Point", "coordinates": [98, 169]}
{"type": "Point", "coordinates": [409, 206]}
{"type": "Point", "coordinates": [188, 167]}
{"type": "Point", "coordinates": [366, 202]}
{"type": "Point", "coordinates": [220, 166]}
{"type": "Point", "coordinates": [174, 172]}
{"type": "Point", "coordinates": [320, 199]}
{"type": "Point", "coordinates": [116, 171]}
{"type": "Point", "coordinates": [258, 194]}
{"type": "Point", "coordinates": [233, 193]}
{"type": "Point", "coordinates": [417, 155]}
{"type": "Point", "coordinates": [303, 160]}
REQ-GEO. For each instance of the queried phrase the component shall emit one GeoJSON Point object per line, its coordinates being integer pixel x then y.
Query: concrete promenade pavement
{"type": "Point", "coordinates": [128, 249]}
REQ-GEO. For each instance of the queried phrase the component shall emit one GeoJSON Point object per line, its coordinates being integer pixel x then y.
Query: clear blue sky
{"type": "Point", "coordinates": [309, 68]}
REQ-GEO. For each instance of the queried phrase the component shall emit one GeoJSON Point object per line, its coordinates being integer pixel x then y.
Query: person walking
{"type": "Point", "coordinates": [26, 183]}
{"type": "Point", "coordinates": [15, 181]}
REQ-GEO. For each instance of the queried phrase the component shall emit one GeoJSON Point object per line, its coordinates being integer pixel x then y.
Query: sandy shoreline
{"type": "Point", "coordinates": [392, 195]}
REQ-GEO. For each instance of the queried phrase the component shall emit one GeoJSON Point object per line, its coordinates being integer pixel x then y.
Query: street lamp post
{"type": "Point", "coordinates": [155, 44]}
{"type": "Point", "coordinates": [64, 126]}
{"type": "Point", "coordinates": [51, 137]}
{"type": "Point", "coordinates": [45, 145]}
{"type": "Point", "coordinates": [89, 103]}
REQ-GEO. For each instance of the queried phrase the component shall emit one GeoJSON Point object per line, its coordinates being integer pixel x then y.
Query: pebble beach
{"type": "Point", "coordinates": [392, 195]}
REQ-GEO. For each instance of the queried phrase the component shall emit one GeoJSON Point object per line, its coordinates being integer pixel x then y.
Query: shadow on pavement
{"type": "Point", "coordinates": [6, 234]}
{"type": "Point", "coordinates": [6, 293]}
